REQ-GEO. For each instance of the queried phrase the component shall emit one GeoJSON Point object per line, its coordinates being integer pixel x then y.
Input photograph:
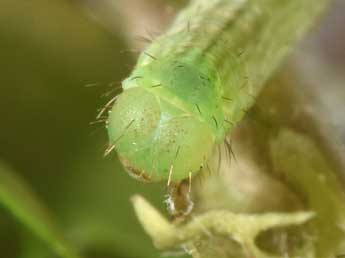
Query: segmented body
{"type": "Point", "coordinates": [196, 81]}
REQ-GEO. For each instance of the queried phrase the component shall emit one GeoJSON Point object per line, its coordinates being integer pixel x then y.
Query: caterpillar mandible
{"type": "Point", "coordinates": [194, 83]}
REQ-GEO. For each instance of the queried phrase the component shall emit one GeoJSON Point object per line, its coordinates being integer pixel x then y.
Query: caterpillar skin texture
{"type": "Point", "coordinates": [196, 81]}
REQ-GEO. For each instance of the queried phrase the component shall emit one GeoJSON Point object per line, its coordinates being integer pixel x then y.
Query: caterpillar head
{"type": "Point", "coordinates": [155, 135]}
{"type": "Point", "coordinates": [155, 139]}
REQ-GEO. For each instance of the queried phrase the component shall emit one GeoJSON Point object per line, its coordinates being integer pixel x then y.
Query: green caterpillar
{"type": "Point", "coordinates": [194, 83]}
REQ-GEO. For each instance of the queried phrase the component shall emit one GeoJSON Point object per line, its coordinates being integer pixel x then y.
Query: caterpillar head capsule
{"type": "Point", "coordinates": [164, 125]}
{"type": "Point", "coordinates": [156, 140]}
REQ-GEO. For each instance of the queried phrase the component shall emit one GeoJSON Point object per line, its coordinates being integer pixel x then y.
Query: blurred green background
{"type": "Point", "coordinates": [55, 64]}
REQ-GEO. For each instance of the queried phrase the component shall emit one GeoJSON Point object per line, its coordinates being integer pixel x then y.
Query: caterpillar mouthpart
{"type": "Point", "coordinates": [156, 139]}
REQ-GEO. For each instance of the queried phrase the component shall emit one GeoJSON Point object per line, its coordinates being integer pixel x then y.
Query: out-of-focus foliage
{"type": "Point", "coordinates": [18, 199]}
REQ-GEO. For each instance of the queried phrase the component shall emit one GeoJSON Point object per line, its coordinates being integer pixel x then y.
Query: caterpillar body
{"type": "Point", "coordinates": [194, 83]}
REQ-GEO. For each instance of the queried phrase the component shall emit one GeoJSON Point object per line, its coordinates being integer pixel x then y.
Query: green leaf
{"type": "Point", "coordinates": [17, 198]}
